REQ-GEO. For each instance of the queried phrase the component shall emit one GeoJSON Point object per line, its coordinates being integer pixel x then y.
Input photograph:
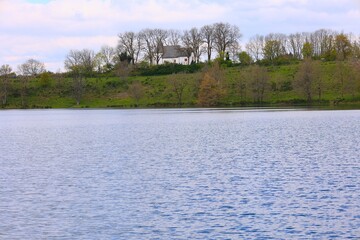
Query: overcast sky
{"type": "Point", "coordinates": [47, 29]}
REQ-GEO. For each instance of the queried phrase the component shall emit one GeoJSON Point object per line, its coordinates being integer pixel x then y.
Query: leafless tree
{"type": "Point", "coordinates": [192, 40]}
{"type": "Point", "coordinates": [355, 50]}
{"type": "Point", "coordinates": [32, 67]}
{"type": "Point", "coordinates": [136, 91]}
{"type": "Point", "coordinates": [258, 78]}
{"type": "Point", "coordinates": [5, 71]}
{"type": "Point", "coordinates": [178, 83]}
{"type": "Point", "coordinates": [241, 85]}
{"type": "Point", "coordinates": [275, 46]}
{"type": "Point", "coordinates": [123, 70]}
{"type": "Point", "coordinates": [80, 63]}
{"type": "Point", "coordinates": [207, 33]}
{"type": "Point", "coordinates": [147, 35]}
{"type": "Point", "coordinates": [342, 77]}
{"type": "Point", "coordinates": [225, 35]}
{"type": "Point", "coordinates": [295, 44]}
{"type": "Point", "coordinates": [131, 43]}
{"type": "Point", "coordinates": [255, 47]}
{"type": "Point", "coordinates": [155, 40]}
{"type": "Point", "coordinates": [174, 38]}
{"type": "Point", "coordinates": [323, 42]}
{"type": "Point", "coordinates": [160, 41]}
{"type": "Point", "coordinates": [107, 56]}
{"type": "Point", "coordinates": [305, 80]}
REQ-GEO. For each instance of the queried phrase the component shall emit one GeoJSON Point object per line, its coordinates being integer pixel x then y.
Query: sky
{"type": "Point", "coordinates": [47, 30]}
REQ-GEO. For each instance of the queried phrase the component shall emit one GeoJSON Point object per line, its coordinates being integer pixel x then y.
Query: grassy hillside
{"type": "Point", "coordinates": [158, 90]}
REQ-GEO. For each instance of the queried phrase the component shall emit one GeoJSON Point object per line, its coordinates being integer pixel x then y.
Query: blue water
{"type": "Point", "coordinates": [179, 174]}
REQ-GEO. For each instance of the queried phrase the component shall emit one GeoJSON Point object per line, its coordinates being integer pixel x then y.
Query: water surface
{"type": "Point", "coordinates": [179, 174]}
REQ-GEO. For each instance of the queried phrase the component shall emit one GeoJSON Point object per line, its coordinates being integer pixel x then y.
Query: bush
{"type": "Point", "coordinates": [166, 69]}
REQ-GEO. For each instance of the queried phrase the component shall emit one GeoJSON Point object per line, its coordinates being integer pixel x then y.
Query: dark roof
{"type": "Point", "coordinates": [173, 52]}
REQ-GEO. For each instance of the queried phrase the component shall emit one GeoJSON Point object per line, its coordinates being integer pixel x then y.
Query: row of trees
{"type": "Point", "coordinates": [149, 43]}
{"type": "Point", "coordinates": [221, 40]}
{"type": "Point", "coordinates": [26, 71]}
{"type": "Point", "coordinates": [311, 81]}
{"type": "Point", "coordinates": [322, 45]}
{"type": "Point", "coordinates": [148, 46]}
{"type": "Point", "coordinates": [217, 39]}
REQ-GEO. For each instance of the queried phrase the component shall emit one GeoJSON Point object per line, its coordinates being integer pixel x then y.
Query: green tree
{"type": "Point", "coordinates": [5, 71]}
{"type": "Point", "coordinates": [342, 46]}
{"type": "Point", "coordinates": [245, 59]}
{"type": "Point", "coordinates": [45, 80]}
{"type": "Point", "coordinates": [273, 49]}
{"type": "Point", "coordinates": [307, 50]}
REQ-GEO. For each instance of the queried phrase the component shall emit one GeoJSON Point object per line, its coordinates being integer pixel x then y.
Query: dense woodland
{"type": "Point", "coordinates": [317, 68]}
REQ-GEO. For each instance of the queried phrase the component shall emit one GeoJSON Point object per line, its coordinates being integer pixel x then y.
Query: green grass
{"type": "Point", "coordinates": [105, 92]}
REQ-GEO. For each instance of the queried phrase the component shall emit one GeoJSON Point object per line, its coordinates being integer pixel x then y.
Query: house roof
{"type": "Point", "coordinates": [173, 52]}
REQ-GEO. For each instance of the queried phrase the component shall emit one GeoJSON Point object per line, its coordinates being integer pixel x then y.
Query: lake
{"type": "Point", "coordinates": [179, 174]}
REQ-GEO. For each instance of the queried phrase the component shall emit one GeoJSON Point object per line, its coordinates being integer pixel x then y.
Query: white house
{"type": "Point", "coordinates": [175, 54]}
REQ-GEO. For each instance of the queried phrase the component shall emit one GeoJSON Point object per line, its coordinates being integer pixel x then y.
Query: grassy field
{"type": "Point", "coordinates": [157, 91]}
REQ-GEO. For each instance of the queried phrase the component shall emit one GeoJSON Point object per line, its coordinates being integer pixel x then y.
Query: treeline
{"type": "Point", "coordinates": [277, 48]}
{"type": "Point", "coordinates": [309, 82]}
{"type": "Point", "coordinates": [139, 54]}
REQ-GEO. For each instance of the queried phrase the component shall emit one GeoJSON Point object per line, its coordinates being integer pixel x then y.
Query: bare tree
{"type": "Point", "coordinates": [295, 44]}
{"type": "Point", "coordinates": [80, 64]}
{"type": "Point", "coordinates": [80, 60]}
{"type": "Point", "coordinates": [355, 50]}
{"type": "Point", "coordinates": [207, 33]}
{"type": "Point", "coordinates": [192, 40]}
{"type": "Point", "coordinates": [258, 78]}
{"type": "Point", "coordinates": [131, 43]}
{"type": "Point", "coordinates": [160, 41]}
{"type": "Point", "coordinates": [225, 35]}
{"type": "Point", "coordinates": [107, 57]}
{"type": "Point", "coordinates": [178, 83]}
{"type": "Point", "coordinates": [136, 91]}
{"type": "Point", "coordinates": [323, 43]}
{"type": "Point", "coordinates": [342, 77]}
{"type": "Point", "coordinates": [275, 46]}
{"type": "Point", "coordinates": [31, 68]}
{"type": "Point", "coordinates": [24, 78]}
{"type": "Point", "coordinates": [241, 85]}
{"type": "Point", "coordinates": [174, 37]}
{"type": "Point", "coordinates": [123, 70]}
{"type": "Point", "coordinates": [255, 47]}
{"type": "Point", "coordinates": [5, 71]}
{"type": "Point", "coordinates": [305, 79]}
{"type": "Point", "coordinates": [147, 35]}
{"type": "Point", "coordinates": [155, 40]}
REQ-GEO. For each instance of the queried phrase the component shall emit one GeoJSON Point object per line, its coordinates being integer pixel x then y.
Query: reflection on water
{"type": "Point", "coordinates": [179, 174]}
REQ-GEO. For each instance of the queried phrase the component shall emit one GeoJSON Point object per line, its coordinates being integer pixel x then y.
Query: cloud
{"type": "Point", "coordinates": [49, 29]}
{"type": "Point", "coordinates": [41, 30]}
